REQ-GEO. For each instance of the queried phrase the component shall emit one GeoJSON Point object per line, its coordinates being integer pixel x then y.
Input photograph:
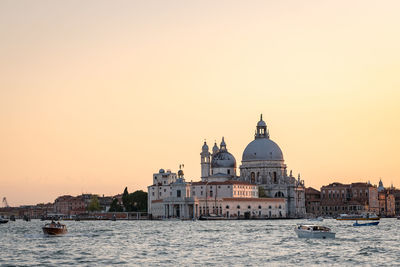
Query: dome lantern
{"type": "Point", "coordinates": [261, 131]}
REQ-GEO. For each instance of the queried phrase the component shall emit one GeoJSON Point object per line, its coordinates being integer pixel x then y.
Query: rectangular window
{"type": "Point", "coordinates": [178, 193]}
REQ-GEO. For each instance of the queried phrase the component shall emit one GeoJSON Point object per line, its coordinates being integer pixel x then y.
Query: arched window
{"type": "Point", "coordinates": [259, 207]}
{"type": "Point", "coordinates": [238, 206]}
{"type": "Point", "coordinates": [249, 207]}
{"type": "Point", "coordinates": [275, 178]}
{"type": "Point", "coordinates": [279, 194]}
{"type": "Point", "coordinates": [227, 206]}
{"type": "Point", "coordinates": [229, 171]}
{"type": "Point", "coordinates": [253, 177]}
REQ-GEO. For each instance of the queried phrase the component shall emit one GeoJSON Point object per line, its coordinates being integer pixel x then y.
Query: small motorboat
{"type": "Point", "coordinates": [365, 224]}
{"type": "Point", "coordinates": [2, 220]}
{"type": "Point", "coordinates": [54, 228]}
{"type": "Point", "coordinates": [12, 218]}
{"type": "Point", "coordinates": [314, 231]}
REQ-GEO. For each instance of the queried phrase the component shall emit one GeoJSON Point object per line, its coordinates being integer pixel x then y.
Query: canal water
{"type": "Point", "coordinates": [198, 243]}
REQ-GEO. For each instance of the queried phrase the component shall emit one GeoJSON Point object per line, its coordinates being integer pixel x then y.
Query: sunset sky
{"type": "Point", "coordinates": [99, 95]}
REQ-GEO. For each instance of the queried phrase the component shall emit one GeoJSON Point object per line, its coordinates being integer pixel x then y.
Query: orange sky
{"type": "Point", "coordinates": [98, 95]}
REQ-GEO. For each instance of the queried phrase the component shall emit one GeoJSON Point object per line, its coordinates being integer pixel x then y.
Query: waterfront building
{"type": "Point", "coordinates": [355, 198]}
{"type": "Point", "coordinates": [313, 202]}
{"type": "Point", "coordinates": [230, 198]}
{"type": "Point", "coordinates": [396, 193]}
{"type": "Point", "coordinates": [387, 201]}
{"type": "Point", "coordinates": [69, 205]}
{"type": "Point", "coordinates": [222, 192]}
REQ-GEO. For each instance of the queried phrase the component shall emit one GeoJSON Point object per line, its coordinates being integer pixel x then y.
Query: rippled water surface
{"type": "Point", "coordinates": [198, 243]}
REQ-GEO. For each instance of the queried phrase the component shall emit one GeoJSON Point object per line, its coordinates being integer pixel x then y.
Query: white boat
{"type": "Point", "coordinates": [2, 220]}
{"type": "Point", "coordinates": [314, 231]}
{"type": "Point", "coordinates": [319, 219]}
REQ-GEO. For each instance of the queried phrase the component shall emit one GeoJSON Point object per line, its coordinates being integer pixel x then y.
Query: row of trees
{"type": "Point", "coordinates": [136, 201]}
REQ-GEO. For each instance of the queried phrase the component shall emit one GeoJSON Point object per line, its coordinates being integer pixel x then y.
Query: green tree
{"type": "Point", "coordinates": [138, 201]}
{"type": "Point", "coordinates": [261, 192]}
{"type": "Point", "coordinates": [94, 204]}
{"type": "Point", "coordinates": [126, 199]}
{"type": "Point", "coordinates": [115, 206]}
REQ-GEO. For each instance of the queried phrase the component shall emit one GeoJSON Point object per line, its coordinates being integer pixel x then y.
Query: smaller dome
{"type": "Point", "coordinates": [161, 171]}
{"type": "Point", "coordinates": [180, 173]}
{"type": "Point", "coordinates": [223, 159]}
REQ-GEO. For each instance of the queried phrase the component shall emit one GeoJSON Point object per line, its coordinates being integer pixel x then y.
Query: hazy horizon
{"type": "Point", "coordinates": [99, 95]}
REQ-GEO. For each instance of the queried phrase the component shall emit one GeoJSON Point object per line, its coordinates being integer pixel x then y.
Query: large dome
{"type": "Point", "coordinates": [223, 159]}
{"type": "Point", "coordinates": [262, 149]}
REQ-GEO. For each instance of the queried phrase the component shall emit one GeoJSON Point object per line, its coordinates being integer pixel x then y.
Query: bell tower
{"type": "Point", "coordinates": [205, 161]}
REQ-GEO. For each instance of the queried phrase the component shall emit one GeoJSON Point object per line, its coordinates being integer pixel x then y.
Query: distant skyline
{"type": "Point", "coordinates": [99, 95]}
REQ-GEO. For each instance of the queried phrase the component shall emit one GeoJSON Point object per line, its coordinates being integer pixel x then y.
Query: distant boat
{"type": "Point", "coordinates": [27, 218]}
{"type": "Point", "coordinates": [2, 220]}
{"type": "Point", "coordinates": [54, 228]}
{"type": "Point", "coordinates": [12, 218]}
{"type": "Point", "coordinates": [398, 218]}
{"type": "Point", "coordinates": [313, 231]}
{"type": "Point", "coordinates": [365, 224]}
{"type": "Point", "coordinates": [358, 217]}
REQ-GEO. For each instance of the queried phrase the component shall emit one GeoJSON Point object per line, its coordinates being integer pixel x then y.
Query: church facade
{"type": "Point", "coordinates": [263, 189]}
{"type": "Point", "coordinates": [262, 164]}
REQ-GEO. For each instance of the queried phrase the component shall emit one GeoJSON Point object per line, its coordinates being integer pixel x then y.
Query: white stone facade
{"type": "Point", "coordinates": [230, 199]}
